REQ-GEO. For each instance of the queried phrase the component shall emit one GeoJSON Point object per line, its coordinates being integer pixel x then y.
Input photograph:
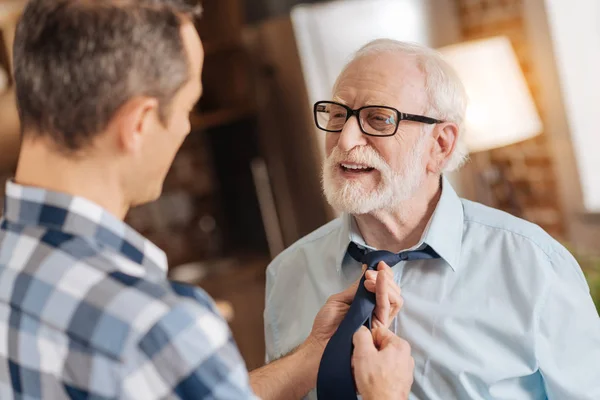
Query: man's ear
{"type": "Point", "coordinates": [445, 137]}
{"type": "Point", "coordinates": [134, 119]}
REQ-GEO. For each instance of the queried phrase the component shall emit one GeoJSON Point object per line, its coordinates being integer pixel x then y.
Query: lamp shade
{"type": "Point", "coordinates": [501, 110]}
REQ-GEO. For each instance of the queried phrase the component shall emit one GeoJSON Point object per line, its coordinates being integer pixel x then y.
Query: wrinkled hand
{"type": "Point", "coordinates": [389, 302]}
{"type": "Point", "coordinates": [382, 364]}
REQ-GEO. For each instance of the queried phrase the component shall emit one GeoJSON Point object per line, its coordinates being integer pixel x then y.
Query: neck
{"type": "Point", "coordinates": [401, 228]}
{"type": "Point", "coordinates": [86, 177]}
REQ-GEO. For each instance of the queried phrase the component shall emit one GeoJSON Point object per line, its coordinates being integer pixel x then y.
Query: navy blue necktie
{"type": "Point", "coordinates": [334, 379]}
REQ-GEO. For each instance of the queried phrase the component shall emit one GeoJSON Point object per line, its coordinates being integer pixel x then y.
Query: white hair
{"type": "Point", "coordinates": [445, 91]}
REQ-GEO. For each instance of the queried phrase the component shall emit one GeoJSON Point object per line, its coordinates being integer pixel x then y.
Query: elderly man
{"type": "Point", "coordinates": [503, 310]}
{"type": "Point", "coordinates": [104, 90]}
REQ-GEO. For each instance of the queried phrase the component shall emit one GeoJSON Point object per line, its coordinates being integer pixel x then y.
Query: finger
{"type": "Point", "coordinates": [395, 344]}
{"type": "Point", "coordinates": [391, 282]}
{"type": "Point", "coordinates": [394, 291]}
{"type": "Point", "coordinates": [370, 280]}
{"type": "Point", "coordinates": [363, 342]}
{"type": "Point", "coordinates": [382, 266]}
{"type": "Point", "coordinates": [370, 286]}
{"type": "Point", "coordinates": [382, 337]}
{"type": "Point", "coordinates": [371, 275]}
{"type": "Point", "coordinates": [348, 295]}
{"type": "Point", "coordinates": [376, 323]}
{"type": "Point", "coordinates": [393, 288]}
{"type": "Point", "coordinates": [386, 339]}
{"type": "Point", "coordinates": [382, 297]}
{"type": "Point", "coordinates": [395, 298]}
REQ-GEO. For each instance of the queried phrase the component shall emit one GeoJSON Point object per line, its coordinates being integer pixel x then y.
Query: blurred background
{"type": "Point", "coordinates": [246, 183]}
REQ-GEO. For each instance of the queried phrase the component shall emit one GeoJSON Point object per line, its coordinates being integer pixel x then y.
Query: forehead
{"type": "Point", "coordinates": [383, 79]}
{"type": "Point", "coordinates": [195, 55]}
{"type": "Point", "coordinates": [193, 46]}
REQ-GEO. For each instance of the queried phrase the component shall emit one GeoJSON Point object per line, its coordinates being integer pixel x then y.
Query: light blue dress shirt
{"type": "Point", "coordinates": [504, 314]}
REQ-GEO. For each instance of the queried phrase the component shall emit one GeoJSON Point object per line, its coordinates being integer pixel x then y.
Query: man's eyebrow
{"type": "Point", "coordinates": [375, 102]}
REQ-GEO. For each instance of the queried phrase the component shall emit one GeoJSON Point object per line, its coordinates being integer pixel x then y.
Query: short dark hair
{"type": "Point", "coordinates": [76, 62]}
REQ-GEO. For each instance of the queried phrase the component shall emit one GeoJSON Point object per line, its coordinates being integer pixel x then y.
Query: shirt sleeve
{"type": "Point", "coordinates": [188, 354]}
{"type": "Point", "coordinates": [270, 328]}
{"type": "Point", "coordinates": [568, 334]}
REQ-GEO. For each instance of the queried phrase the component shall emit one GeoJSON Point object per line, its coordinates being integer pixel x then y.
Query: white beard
{"type": "Point", "coordinates": [393, 189]}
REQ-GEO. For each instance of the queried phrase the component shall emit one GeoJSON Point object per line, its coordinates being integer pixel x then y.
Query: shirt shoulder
{"type": "Point", "coordinates": [93, 295]}
{"type": "Point", "coordinates": [523, 236]}
{"type": "Point", "coordinates": [497, 222]}
{"type": "Point", "coordinates": [154, 338]}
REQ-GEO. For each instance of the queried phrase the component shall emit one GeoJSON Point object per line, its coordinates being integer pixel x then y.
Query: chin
{"type": "Point", "coordinates": [353, 198]}
{"type": "Point", "coordinates": [147, 197]}
{"type": "Point", "coordinates": [358, 198]}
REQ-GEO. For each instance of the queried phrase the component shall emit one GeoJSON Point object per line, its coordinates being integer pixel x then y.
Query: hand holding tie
{"type": "Point", "coordinates": [389, 302]}
{"type": "Point", "coordinates": [383, 358]}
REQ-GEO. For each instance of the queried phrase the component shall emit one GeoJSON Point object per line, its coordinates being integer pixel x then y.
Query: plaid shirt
{"type": "Point", "coordinates": [86, 311]}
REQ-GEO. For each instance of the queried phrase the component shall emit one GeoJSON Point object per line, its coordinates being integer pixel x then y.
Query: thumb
{"type": "Point", "coordinates": [382, 337]}
{"type": "Point", "coordinates": [363, 342]}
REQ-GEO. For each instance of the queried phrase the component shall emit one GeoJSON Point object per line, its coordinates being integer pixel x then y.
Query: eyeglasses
{"type": "Point", "coordinates": [373, 120]}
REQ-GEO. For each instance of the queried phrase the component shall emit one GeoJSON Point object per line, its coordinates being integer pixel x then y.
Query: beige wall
{"type": "Point", "coordinates": [583, 229]}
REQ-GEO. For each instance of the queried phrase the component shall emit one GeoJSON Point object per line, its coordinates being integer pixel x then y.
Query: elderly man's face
{"type": "Point", "coordinates": [362, 173]}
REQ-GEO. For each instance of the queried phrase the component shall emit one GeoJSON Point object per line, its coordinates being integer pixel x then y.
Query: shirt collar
{"type": "Point", "coordinates": [443, 232]}
{"type": "Point", "coordinates": [77, 216]}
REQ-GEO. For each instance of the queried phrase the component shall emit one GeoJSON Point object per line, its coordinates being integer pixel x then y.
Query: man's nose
{"type": "Point", "coordinates": [351, 136]}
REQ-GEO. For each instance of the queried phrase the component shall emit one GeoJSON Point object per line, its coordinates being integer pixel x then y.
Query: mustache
{"type": "Point", "coordinates": [360, 155]}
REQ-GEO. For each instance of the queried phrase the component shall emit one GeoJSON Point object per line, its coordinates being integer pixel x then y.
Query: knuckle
{"type": "Point", "coordinates": [333, 298]}
{"type": "Point", "coordinates": [405, 346]}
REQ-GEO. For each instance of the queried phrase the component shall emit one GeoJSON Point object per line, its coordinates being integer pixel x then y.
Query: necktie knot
{"type": "Point", "coordinates": [372, 258]}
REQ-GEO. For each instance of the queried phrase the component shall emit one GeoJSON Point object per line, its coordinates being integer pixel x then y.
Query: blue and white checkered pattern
{"type": "Point", "coordinates": [86, 311]}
